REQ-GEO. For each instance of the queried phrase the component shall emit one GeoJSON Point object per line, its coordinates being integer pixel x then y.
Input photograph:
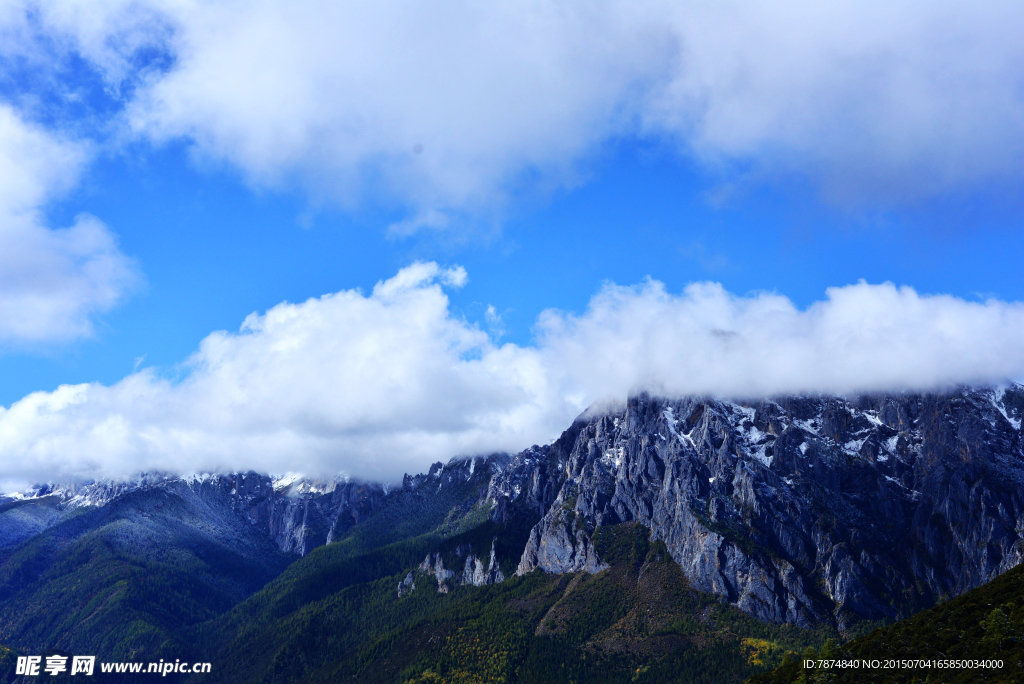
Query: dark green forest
{"type": "Point", "coordinates": [637, 621]}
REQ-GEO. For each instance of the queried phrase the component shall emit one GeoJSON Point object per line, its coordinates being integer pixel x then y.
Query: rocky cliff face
{"type": "Point", "coordinates": [800, 509]}
{"type": "Point", "coordinates": [300, 515]}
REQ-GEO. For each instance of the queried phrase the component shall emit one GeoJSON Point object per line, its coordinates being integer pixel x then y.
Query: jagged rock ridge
{"type": "Point", "coordinates": [798, 509]}
{"type": "Point", "coordinates": [297, 513]}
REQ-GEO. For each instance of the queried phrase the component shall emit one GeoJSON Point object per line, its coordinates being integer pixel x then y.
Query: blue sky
{"type": "Point", "coordinates": [233, 161]}
{"type": "Point", "coordinates": [211, 251]}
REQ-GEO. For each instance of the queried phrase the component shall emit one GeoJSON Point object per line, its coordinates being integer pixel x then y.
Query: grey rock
{"type": "Point", "coordinates": [477, 575]}
{"type": "Point", "coordinates": [407, 586]}
{"type": "Point", "coordinates": [433, 565]}
{"type": "Point", "coordinates": [795, 509]}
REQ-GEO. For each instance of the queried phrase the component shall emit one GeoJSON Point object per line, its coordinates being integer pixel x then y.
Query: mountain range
{"type": "Point", "coordinates": [649, 538]}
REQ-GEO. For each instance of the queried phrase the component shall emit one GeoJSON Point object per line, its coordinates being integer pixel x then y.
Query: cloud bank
{"type": "Point", "coordinates": [455, 107]}
{"type": "Point", "coordinates": [383, 383]}
{"type": "Point", "coordinates": [52, 281]}
{"type": "Point", "coordinates": [861, 338]}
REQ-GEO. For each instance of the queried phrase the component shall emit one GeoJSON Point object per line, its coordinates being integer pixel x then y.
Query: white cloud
{"type": "Point", "coordinates": [879, 101]}
{"type": "Point", "coordinates": [383, 383]}
{"type": "Point", "coordinates": [438, 107]}
{"type": "Point", "coordinates": [861, 338]}
{"type": "Point", "coordinates": [456, 106]}
{"type": "Point", "coordinates": [52, 281]}
{"type": "Point", "coordinates": [370, 384]}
